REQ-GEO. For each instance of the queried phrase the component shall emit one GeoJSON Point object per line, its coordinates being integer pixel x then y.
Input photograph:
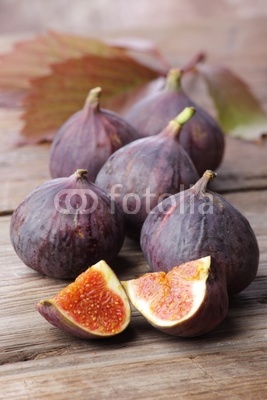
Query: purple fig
{"type": "Point", "coordinates": [196, 223]}
{"type": "Point", "coordinates": [66, 224]}
{"type": "Point", "coordinates": [88, 138]}
{"type": "Point", "coordinates": [202, 137]}
{"type": "Point", "coordinates": [142, 173]}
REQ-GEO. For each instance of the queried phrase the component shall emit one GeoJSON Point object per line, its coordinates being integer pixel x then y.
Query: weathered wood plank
{"type": "Point", "coordinates": [34, 354]}
{"type": "Point", "coordinates": [235, 377]}
{"type": "Point", "coordinates": [22, 167]}
{"type": "Point", "coordinates": [244, 167]}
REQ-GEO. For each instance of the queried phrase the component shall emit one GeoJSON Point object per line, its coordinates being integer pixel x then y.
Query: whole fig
{"type": "Point", "coordinates": [196, 223]}
{"type": "Point", "coordinates": [142, 173]}
{"type": "Point", "coordinates": [202, 137]}
{"type": "Point", "coordinates": [88, 138]}
{"type": "Point", "coordinates": [65, 225]}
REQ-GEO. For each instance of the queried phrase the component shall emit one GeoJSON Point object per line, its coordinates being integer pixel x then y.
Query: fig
{"type": "Point", "coordinates": [189, 300]}
{"type": "Point", "coordinates": [197, 223]}
{"type": "Point", "coordinates": [95, 305]}
{"type": "Point", "coordinates": [88, 138]}
{"type": "Point", "coordinates": [66, 224]}
{"type": "Point", "coordinates": [145, 171]}
{"type": "Point", "coordinates": [202, 136]}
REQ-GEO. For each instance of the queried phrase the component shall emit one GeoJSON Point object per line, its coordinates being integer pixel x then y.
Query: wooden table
{"type": "Point", "coordinates": [39, 362]}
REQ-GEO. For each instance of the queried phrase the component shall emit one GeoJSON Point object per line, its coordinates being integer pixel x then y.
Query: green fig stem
{"type": "Point", "coordinates": [175, 125]}
{"type": "Point", "coordinates": [81, 173]}
{"type": "Point", "coordinates": [203, 182]}
{"type": "Point", "coordinates": [173, 80]}
{"type": "Point", "coordinates": [184, 115]}
{"type": "Point", "coordinates": [93, 98]}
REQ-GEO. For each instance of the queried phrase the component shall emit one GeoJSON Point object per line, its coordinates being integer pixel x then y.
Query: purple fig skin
{"type": "Point", "coordinates": [88, 138]}
{"type": "Point", "coordinates": [144, 172]}
{"type": "Point", "coordinates": [212, 311]}
{"type": "Point", "coordinates": [48, 309]}
{"type": "Point", "coordinates": [196, 223]}
{"type": "Point", "coordinates": [59, 240]}
{"type": "Point", "coordinates": [201, 137]}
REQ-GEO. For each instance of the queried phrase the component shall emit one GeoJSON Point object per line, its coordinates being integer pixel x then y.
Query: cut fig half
{"type": "Point", "coordinates": [95, 305]}
{"type": "Point", "coordinates": [189, 300]}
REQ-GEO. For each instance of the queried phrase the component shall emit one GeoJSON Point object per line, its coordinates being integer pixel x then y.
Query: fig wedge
{"type": "Point", "coordinates": [95, 305]}
{"type": "Point", "coordinates": [190, 300]}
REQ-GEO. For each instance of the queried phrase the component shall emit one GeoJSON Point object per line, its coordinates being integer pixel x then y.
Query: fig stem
{"type": "Point", "coordinates": [210, 175]}
{"type": "Point", "coordinates": [175, 125]}
{"type": "Point", "coordinates": [202, 183]}
{"type": "Point", "coordinates": [173, 80]}
{"type": "Point", "coordinates": [81, 173]}
{"type": "Point", "coordinates": [93, 98]}
{"type": "Point", "coordinates": [185, 115]}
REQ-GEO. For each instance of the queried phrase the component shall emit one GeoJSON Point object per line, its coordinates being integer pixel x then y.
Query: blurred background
{"type": "Point", "coordinates": [232, 32]}
{"type": "Point", "coordinates": [227, 29]}
{"type": "Point", "coordinates": [105, 16]}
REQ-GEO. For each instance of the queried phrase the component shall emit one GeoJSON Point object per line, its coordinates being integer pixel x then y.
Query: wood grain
{"type": "Point", "coordinates": [34, 355]}
{"type": "Point", "coordinates": [241, 378]}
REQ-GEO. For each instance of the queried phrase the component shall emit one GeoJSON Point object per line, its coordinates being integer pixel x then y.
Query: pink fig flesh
{"type": "Point", "coordinates": [190, 300]}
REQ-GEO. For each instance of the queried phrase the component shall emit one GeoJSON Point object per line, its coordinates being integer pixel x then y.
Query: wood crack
{"type": "Point", "coordinates": [22, 356]}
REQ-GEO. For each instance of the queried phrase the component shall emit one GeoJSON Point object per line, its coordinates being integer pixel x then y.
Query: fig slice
{"type": "Point", "coordinates": [189, 300]}
{"type": "Point", "coordinates": [95, 305]}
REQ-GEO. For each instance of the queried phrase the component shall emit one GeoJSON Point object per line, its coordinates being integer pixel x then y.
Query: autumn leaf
{"type": "Point", "coordinates": [55, 97]}
{"type": "Point", "coordinates": [52, 74]}
{"type": "Point", "coordinates": [239, 112]}
{"type": "Point", "coordinates": [34, 57]}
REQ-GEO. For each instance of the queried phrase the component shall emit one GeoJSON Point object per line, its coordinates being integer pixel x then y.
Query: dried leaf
{"type": "Point", "coordinates": [34, 57]}
{"type": "Point", "coordinates": [55, 97]}
{"type": "Point", "coordinates": [52, 74]}
{"type": "Point", "coordinates": [239, 112]}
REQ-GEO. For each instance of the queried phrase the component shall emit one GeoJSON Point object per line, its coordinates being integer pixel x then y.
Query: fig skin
{"type": "Point", "coordinates": [196, 223]}
{"type": "Point", "coordinates": [53, 312]}
{"type": "Point", "coordinates": [59, 240]}
{"type": "Point", "coordinates": [147, 170]}
{"type": "Point", "coordinates": [202, 136]}
{"type": "Point", "coordinates": [212, 309]}
{"type": "Point", "coordinates": [88, 138]}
